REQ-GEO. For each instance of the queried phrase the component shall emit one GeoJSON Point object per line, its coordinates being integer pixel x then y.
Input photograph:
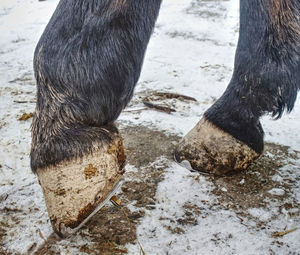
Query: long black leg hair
{"type": "Point", "coordinates": [266, 75]}
{"type": "Point", "coordinates": [86, 64]}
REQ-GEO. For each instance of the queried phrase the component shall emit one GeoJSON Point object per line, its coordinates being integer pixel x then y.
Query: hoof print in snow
{"type": "Point", "coordinates": [208, 149]}
{"type": "Point", "coordinates": [76, 189]}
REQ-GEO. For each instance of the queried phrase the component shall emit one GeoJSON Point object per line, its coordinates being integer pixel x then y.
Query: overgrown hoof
{"type": "Point", "coordinates": [76, 189]}
{"type": "Point", "coordinates": [207, 148]}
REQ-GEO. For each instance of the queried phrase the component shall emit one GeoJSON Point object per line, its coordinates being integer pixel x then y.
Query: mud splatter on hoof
{"type": "Point", "coordinates": [75, 189]}
{"type": "Point", "coordinates": [209, 149]}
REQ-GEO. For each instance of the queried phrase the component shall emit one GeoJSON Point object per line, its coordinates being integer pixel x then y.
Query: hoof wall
{"type": "Point", "coordinates": [76, 189]}
{"type": "Point", "coordinates": [209, 149]}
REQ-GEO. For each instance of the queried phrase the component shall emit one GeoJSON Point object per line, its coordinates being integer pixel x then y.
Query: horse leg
{"type": "Point", "coordinates": [265, 80]}
{"type": "Point", "coordinates": [86, 64]}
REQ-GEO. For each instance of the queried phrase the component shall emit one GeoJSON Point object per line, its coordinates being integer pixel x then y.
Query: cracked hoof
{"type": "Point", "coordinates": [207, 148]}
{"type": "Point", "coordinates": [76, 189]}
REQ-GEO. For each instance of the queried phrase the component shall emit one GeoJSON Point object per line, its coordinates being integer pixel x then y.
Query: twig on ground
{"type": "Point", "coordinates": [174, 95]}
{"type": "Point", "coordinates": [116, 202]}
{"type": "Point", "coordinates": [158, 107]}
{"type": "Point", "coordinates": [159, 96]}
{"type": "Point", "coordinates": [41, 235]}
{"type": "Point", "coordinates": [280, 234]}
{"type": "Point", "coordinates": [9, 167]}
{"type": "Point", "coordinates": [24, 102]}
{"type": "Point", "coordinates": [135, 109]}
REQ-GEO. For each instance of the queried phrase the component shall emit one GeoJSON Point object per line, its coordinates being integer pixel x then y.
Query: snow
{"type": "Point", "coordinates": [224, 189]}
{"type": "Point", "coordinates": [216, 231]}
{"type": "Point", "coordinates": [277, 192]}
{"type": "Point", "coordinates": [261, 214]}
{"type": "Point", "coordinates": [277, 178]}
{"type": "Point", "coordinates": [191, 53]}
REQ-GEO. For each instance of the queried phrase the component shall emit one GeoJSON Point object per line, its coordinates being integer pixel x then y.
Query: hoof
{"type": "Point", "coordinates": [207, 148]}
{"type": "Point", "coordinates": [76, 189]}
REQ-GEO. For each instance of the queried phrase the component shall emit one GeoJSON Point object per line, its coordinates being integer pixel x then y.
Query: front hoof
{"type": "Point", "coordinates": [211, 150]}
{"type": "Point", "coordinates": [76, 189]}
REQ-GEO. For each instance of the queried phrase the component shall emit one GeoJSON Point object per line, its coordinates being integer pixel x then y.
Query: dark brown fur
{"type": "Point", "coordinates": [284, 22]}
{"type": "Point", "coordinates": [117, 5]}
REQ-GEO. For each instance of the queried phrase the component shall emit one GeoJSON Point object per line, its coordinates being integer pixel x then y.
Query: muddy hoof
{"type": "Point", "coordinates": [207, 148]}
{"type": "Point", "coordinates": [75, 190]}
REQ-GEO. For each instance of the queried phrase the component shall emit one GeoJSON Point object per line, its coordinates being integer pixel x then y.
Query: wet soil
{"type": "Point", "coordinates": [253, 187]}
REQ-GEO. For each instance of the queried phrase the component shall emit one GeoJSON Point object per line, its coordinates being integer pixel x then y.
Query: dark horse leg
{"type": "Point", "coordinates": [86, 64]}
{"type": "Point", "coordinates": [266, 79]}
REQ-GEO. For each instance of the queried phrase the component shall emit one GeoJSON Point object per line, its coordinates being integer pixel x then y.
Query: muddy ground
{"type": "Point", "coordinates": [149, 152]}
{"type": "Point", "coordinates": [113, 227]}
{"type": "Point", "coordinates": [257, 196]}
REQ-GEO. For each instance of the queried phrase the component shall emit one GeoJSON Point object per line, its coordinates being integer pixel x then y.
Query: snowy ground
{"type": "Point", "coordinates": [173, 211]}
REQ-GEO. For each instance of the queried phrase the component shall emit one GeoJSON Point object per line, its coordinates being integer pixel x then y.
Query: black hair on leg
{"type": "Point", "coordinates": [266, 75]}
{"type": "Point", "coordinates": [86, 64]}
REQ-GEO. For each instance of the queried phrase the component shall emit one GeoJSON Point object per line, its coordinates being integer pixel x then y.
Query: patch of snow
{"type": "Point", "coordinates": [213, 231]}
{"type": "Point", "coordinates": [277, 178]}
{"type": "Point", "coordinates": [130, 168]}
{"type": "Point", "coordinates": [259, 213]}
{"type": "Point", "coordinates": [291, 173]}
{"type": "Point", "coordinates": [277, 192]}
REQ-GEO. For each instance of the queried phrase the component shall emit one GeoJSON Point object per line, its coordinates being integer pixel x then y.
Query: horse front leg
{"type": "Point", "coordinates": [86, 64]}
{"type": "Point", "coordinates": [265, 80]}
